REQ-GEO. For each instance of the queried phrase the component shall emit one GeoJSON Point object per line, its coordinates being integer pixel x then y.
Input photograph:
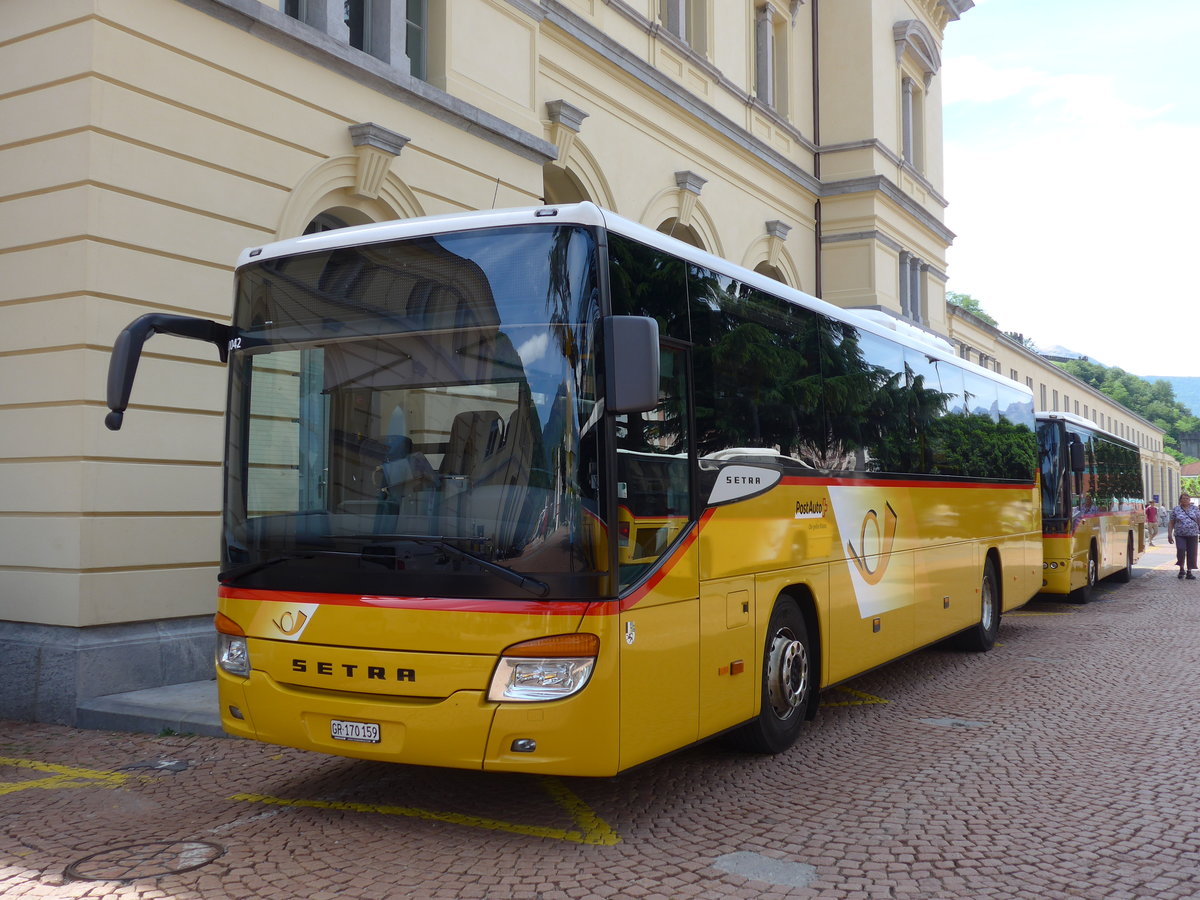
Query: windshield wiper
{"type": "Point", "coordinates": [249, 568]}
{"type": "Point", "coordinates": [535, 587]}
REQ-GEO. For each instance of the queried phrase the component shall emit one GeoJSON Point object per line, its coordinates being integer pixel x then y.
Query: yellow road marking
{"type": "Point", "coordinates": [863, 699]}
{"type": "Point", "coordinates": [590, 828]}
{"type": "Point", "coordinates": [59, 777]}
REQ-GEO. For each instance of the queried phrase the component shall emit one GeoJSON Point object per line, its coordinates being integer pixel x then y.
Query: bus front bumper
{"type": "Point", "coordinates": [463, 731]}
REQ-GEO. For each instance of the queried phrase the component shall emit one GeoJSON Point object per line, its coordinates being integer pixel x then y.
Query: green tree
{"type": "Point", "coordinates": [1154, 402]}
{"type": "Point", "coordinates": [971, 305]}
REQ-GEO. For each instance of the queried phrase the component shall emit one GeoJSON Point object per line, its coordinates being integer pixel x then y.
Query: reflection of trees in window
{"type": "Point", "coordinates": [773, 375]}
{"type": "Point", "coordinates": [864, 400]}
{"type": "Point", "coordinates": [756, 357]}
{"type": "Point", "coordinates": [976, 446]}
{"type": "Point", "coordinates": [646, 282]}
{"type": "Point", "coordinates": [1118, 474]}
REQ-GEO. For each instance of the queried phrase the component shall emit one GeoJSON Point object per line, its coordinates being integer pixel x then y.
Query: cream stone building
{"type": "Point", "coordinates": [144, 143]}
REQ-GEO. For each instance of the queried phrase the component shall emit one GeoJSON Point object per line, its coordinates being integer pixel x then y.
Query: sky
{"type": "Point", "coordinates": [1072, 170]}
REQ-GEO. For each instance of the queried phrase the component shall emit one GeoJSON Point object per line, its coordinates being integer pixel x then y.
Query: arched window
{"type": "Point", "coordinates": [336, 217]}
{"type": "Point", "coordinates": [685, 233]}
{"type": "Point", "coordinates": [765, 268]}
{"type": "Point", "coordinates": [562, 186]}
{"type": "Point", "coordinates": [917, 60]}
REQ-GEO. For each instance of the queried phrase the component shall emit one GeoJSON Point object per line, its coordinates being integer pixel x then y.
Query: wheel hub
{"type": "Point", "coordinates": [989, 607]}
{"type": "Point", "coordinates": [787, 673]}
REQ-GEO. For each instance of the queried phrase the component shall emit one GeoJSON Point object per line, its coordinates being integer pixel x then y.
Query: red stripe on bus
{"type": "Point", "coordinates": [441, 604]}
{"type": "Point", "coordinates": [663, 570]}
{"type": "Point", "coordinates": [817, 481]}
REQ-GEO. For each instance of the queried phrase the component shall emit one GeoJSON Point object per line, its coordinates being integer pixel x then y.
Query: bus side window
{"type": "Point", "coordinates": [653, 488]}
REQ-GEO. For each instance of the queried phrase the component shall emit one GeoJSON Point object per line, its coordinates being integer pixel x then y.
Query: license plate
{"type": "Point", "coordinates": [363, 732]}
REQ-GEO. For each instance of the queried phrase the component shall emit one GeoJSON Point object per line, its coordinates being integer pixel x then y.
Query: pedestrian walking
{"type": "Point", "coordinates": [1151, 522]}
{"type": "Point", "coordinates": [1184, 524]}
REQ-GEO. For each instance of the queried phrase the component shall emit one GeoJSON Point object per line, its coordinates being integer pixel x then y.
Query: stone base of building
{"type": "Point", "coordinates": [47, 671]}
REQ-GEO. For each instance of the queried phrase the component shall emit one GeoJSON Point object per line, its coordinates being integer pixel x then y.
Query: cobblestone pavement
{"type": "Point", "coordinates": [1060, 765]}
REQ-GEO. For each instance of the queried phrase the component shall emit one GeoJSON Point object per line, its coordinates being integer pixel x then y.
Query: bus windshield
{"type": "Point", "coordinates": [1053, 467]}
{"type": "Point", "coordinates": [417, 418]}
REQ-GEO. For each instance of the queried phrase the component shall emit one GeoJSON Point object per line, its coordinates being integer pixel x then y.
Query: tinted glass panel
{"type": "Point", "coordinates": [758, 376]}
{"type": "Point", "coordinates": [646, 282]}
{"type": "Point", "coordinates": [869, 424]}
{"type": "Point", "coordinates": [653, 496]}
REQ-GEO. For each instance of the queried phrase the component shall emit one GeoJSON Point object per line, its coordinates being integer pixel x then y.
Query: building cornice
{"type": "Point", "coordinates": [656, 30]}
{"type": "Point", "coordinates": [891, 156]}
{"type": "Point", "coordinates": [879, 184]}
{"type": "Point", "coordinates": [275, 27]}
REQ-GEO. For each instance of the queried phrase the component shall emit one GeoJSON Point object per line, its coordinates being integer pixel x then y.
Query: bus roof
{"type": "Point", "coordinates": [1081, 422]}
{"type": "Point", "coordinates": [588, 214]}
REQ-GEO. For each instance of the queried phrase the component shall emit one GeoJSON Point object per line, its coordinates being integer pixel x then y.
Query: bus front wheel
{"type": "Point", "coordinates": [788, 682]}
{"type": "Point", "coordinates": [1084, 594]}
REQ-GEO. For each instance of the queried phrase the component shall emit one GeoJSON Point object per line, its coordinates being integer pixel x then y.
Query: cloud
{"type": "Point", "coordinates": [1069, 169]}
{"type": "Point", "coordinates": [534, 349]}
{"type": "Point", "coordinates": [1073, 209]}
{"type": "Point", "coordinates": [968, 79]}
{"type": "Point", "coordinates": [1086, 99]}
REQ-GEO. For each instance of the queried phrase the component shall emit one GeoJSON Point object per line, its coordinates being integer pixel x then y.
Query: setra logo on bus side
{"type": "Point", "coordinates": [743, 479]}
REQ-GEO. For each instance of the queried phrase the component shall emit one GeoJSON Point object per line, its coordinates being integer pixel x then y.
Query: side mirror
{"type": "Point", "coordinates": [631, 363]}
{"type": "Point", "coordinates": [1077, 461]}
{"type": "Point", "coordinates": [127, 352]}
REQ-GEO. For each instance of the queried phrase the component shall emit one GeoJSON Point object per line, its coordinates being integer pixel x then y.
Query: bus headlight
{"type": "Point", "coordinates": [233, 655]}
{"type": "Point", "coordinates": [544, 669]}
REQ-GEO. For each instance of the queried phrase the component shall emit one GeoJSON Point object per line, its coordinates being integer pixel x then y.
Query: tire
{"type": "Point", "coordinates": [1126, 574]}
{"type": "Point", "coordinates": [1084, 594]}
{"type": "Point", "coordinates": [981, 637]}
{"type": "Point", "coordinates": [788, 684]}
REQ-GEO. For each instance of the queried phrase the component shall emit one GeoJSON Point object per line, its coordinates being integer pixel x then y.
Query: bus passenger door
{"type": "Point", "coordinates": [659, 706]}
{"type": "Point", "coordinates": [659, 572]}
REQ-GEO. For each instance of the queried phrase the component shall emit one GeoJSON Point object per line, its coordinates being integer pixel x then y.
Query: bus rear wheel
{"type": "Point", "coordinates": [981, 637]}
{"type": "Point", "coordinates": [787, 684]}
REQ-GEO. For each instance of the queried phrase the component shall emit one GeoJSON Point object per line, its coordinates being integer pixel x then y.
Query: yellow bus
{"type": "Point", "coordinates": [1093, 516]}
{"type": "Point", "coordinates": [547, 491]}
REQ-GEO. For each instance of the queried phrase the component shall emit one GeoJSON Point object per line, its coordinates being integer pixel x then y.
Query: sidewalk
{"type": "Point", "coordinates": [190, 708]}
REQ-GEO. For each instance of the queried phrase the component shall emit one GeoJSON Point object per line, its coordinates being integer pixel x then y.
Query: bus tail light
{"type": "Point", "coordinates": [233, 655]}
{"type": "Point", "coordinates": [548, 668]}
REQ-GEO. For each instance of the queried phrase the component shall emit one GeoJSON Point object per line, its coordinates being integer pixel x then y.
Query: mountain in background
{"type": "Point", "coordinates": [1186, 388]}
{"type": "Point", "coordinates": [1060, 352]}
